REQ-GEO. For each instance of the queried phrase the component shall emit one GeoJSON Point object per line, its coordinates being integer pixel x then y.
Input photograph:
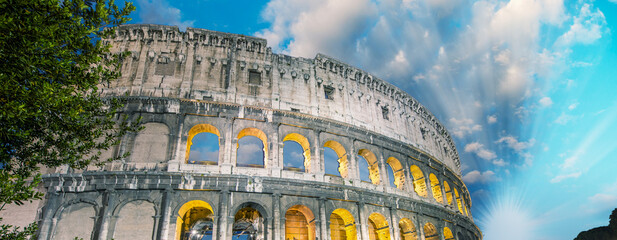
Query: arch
{"type": "Point", "coordinates": [436, 187]}
{"type": "Point", "coordinates": [306, 149]}
{"type": "Point", "coordinates": [299, 223]}
{"type": "Point", "coordinates": [458, 201]}
{"type": "Point", "coordinates": [448, 190]}
{"type": "Point", "coordinates": [133, 218]}
{"type": "Point", "coordinates": [373, 166]}
{"type": "Point", "coordinates": [195, 218]}
{"type": "Point", "coordinates": [80, 214]}
{"type": "Point", "coordinates": [398, 172]}
{"type": "Point", "coordinates": [150, 145]}
{"type": "Point", "coordinates": [342, 225]}
{"type": "Point", "coordinates": [465, 207]}
{"type": "Point", "coordinates": [197, 129]}
{"type": "Point", "coordinates": [430, 232]}
{"type": "Point", "coordinates": [447, 234]}
{"type": "Point", "coordinates": [261, 136]}
{"type": "Point", "coordinates": [249, 222]}
{"type": "Point", "coordinates": [379, 229]}
{"type": "Point", "coordinates": [407, 229]}
{"type": "Point", "coordinates": [419, 184]}
{"type": "Point", "coordinates": [343, 163]}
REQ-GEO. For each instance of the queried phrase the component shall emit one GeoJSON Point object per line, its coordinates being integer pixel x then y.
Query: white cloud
{"type": "Point", "coordinates": [574, 105]}
{"type": "Point", "coordinates": [491, 119]}
{"type": "Point", "coordinates": [586, 28]}
{"type": "Point", "coordinates": [514, 144]}
{"type": "Point", "coordinates": [564, 118]}
{"type": "Point", "coordinates": [160, 12]}
{"type": "Point", "coordinates": [562, 177]}
{"type": "Point", "coordinates": [500, 162]}
{"type": "Point", "coordinates": [463, 127]}
{"type": "Point", "coordinates": [476, 176]}
{"type": "Point", "coordinates": [546, 102]}
{"type": "Point", "coordinates": [480, 151]}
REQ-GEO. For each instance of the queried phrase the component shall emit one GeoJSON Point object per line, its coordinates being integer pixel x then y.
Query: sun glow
{"type": "Point", "coordinates": [507, 218]}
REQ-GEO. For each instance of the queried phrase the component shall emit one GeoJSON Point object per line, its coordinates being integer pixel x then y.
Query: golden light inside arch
{"type": "Point", "coordinates": [446, 187]}
{"type": "Point", "coordinates": [408, 229]}
{"type": "Point", "coordinates": [299, 226]}
{"type": "Point", "coordinates": [458, 201]}
{"type": "Point", "coordinates": [373, 167]}
{"type": "Point", "coordinates": [397, 171]}
{"type": "Point", "coordinates": [348, 224]}
{"type": "Point", "coordinates": [258, 134]}
{"type": "Point", "coordinates": [430, 232]}
{"type": "Point", "coordinates": [447, 233]}
{"type": "Point", "coordinates": [186, 217]}
{"type": "Point", "coordinates": [306, 148]}
{"type": "Point", "coordinates": [419, 184]}
{"type": "Point", "coordinates": [436, 187]}
{"type": "Point", "coordinates": [382, 228]}
{"type": "Point", "coordinates": [343, 166]}
{"type": "Point", "coordinates": [197, 129]}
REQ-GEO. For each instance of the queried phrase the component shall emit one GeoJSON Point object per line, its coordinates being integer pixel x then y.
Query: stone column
{"type": "Point", "coordinates": [382, 168]}
{"type": "Point", "coordinates": [224, 225]}
{"type": "Point", "coordinates": [166, 215]}
{"type": "Point", "coordinates": [47, 224]}
{"type": "Point", "coordinates": [419, 228]}
{"type": "Point", "coordinates": [275, 163]}
{"type": "Point", "coordinates": [394, 227]}
{"type": "Point", "coordinates": [109, 202]}
{"type": "Point", "coordinates": [362, 221]}
{"type": "Point", "coordinates": [229, 147]}
{"type": "Point", "coordinates": [323, 227]}
{"type": "Point", "coordinates": [279, 227]}
{"type": "Point", "coordinates": [174, 164]}
{"type": "Point", "coordinates": [353, 171]}
{"type": "Point", "coordinates": [317, 159]}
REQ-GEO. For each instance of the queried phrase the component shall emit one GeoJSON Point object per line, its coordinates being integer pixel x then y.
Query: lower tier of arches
{"type": "Point", "coordinates": [135, 206]}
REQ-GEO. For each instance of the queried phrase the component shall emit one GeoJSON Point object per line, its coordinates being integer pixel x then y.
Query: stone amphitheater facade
{"type": "Point", "coordinates": [184, 84]}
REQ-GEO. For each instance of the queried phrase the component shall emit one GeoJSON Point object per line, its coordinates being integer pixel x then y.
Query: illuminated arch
{"type": "Point", "coordinates": [306, 148]}
{"type": "Point", "coordinates": [447, 234]}
{"type": "Point", "coordinates": [258, 134]}
{"type": "Point", "coordinates": [197, 129]}
{"type": "Point", "coordinates": [299, 223]}
{"type": "Point", "coordinates": [436, 187]}
{"type": "Point", "coordinates": [419, 184]}
{"type": "Point", "coordinates": [465, 207]}
{"type": "Point", "coordinates": [446, 187]}
{"type": "Point", "coordinates": [248, 221]}
{"type": "Point", "coordinates": [194, 215]}
{"type": "Point", "coordinates": [430, 232]}
{"type": "Point", "coordinates": [398, 172]}
{"type": "Point", "coordinates": [458, 201]}
{"type": "Point", "coordinates": [343, 163]}
{"type": "Point", "coordinates": [408, 229]}
{"type": "Point", "coordinates": [373, 167]}
{"type": "Point", "coordinates": [378, 227]}
{"type": "Point", "coordinates": [342, 225]}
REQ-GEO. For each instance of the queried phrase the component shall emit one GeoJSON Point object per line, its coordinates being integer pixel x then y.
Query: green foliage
{"type": "Point", "coordinates": [52, 60]}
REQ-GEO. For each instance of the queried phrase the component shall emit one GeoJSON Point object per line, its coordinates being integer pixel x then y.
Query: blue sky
{"type": "Point", "coordinates": [527, 88]}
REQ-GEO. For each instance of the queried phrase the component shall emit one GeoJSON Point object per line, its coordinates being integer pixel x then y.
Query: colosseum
{"type": "Point", "coordinates": [243, 143]}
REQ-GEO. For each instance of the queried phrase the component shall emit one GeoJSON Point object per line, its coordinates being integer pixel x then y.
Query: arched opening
{"type": "Point", "coordinates": [252, 148]}
{"type": "Point", "coordinates": [342, 225]}
{"type": "Point", "coordinates": [407, 229]}
{"type": "Point", "coordinates": [419, 184]}
{"type": "Point", "coordinates": [202, 145]}
{"type": "Point", "coordinates": [398, 178]}
{"type": "Point", "coordinates": [135, 221]}
{"type": "Point", "coordinates": [371, 166]}
{"type": "Point", "coordinates": [436, 187]}
{"type": "Point", "coordinates": [447, 234]}
{"type": "Point", "coordinates": [194, 221]}
{"type": "Point", "coordinates": [378, 227]}
{"type": "Point", "coordinates": [299, 223]}
{"type": "Point", "coordinates": [465, 207]}
{"type": "Point", "coordinates": [78, 214]}
{"type": "Point", "coordinates": [446, 187]}
{"type": "Point", "coordinates": [296, 153]}
{"type": "Point", "coordinates": [430, 232]}
{"type": "Point", "coordinates": [335, 159]}
{"type": "Point", "coordinates": [248, 225]}
{"type": "Point", "coordinates": [459, 203]}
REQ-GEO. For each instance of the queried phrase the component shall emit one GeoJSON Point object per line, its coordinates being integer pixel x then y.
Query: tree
{"type": "Point", "coordinates": [52, 60]}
